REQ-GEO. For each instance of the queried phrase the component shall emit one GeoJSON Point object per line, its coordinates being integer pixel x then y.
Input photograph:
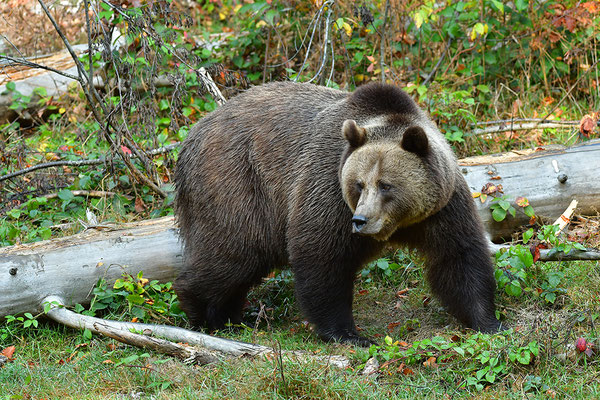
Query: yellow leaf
{"type": "Point", "coordinates": [260, 23]}
{"type": "Point", "coordinates": [347, 29]}
{"type": "Point", "coordinates": [62, 110]}
{"type": "Point", "coordinates": [418, 19]}
{"type": "Point", "coordinates": [237, 8]}
{"type": "Point", "coordinates": [473, 34]}
{"type": "Point", "coordinates": [222, 15]}
{"type": "Point", "coordinates": [476, 194]}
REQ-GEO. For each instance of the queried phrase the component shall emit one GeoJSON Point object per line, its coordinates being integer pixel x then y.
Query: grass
{"type": "Point", "coordinates": [55, 362]}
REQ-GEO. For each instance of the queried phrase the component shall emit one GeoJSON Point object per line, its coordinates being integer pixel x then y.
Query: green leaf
{"type": "Point", "coordinates": [504, 204]}
{"type": "Point", "coordinates": [550, 297]}
{"type": "Point", "coordinates": [521, 4]}
{"type": "Point", "coordinates": [499, 214]}
{"type": "Point", "coordinates": [527, 235]}
{"type": "Point", "coordinates": [498, 5]}
{"type": "Point", "coordinates": [11, 86]}
{"type": "Point", "coordinates": [66, 195]}
{"type": "Point", "coordinates": [529, 211]}
{"type": "Point", "coordinates": [135, 299]}
{"type": "Point", "coordinates": [513, 289]}
{"type": "Point", "coordinates": [40, 91]}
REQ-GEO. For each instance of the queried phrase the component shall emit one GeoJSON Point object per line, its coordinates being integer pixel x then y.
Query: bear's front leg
{"type": "Point", "coordinates": [324, 292]}
{"type": "Point", "coordinates": [459, 267]}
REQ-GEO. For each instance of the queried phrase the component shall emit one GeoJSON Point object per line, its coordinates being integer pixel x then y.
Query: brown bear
{"type": "Point", "coordinates": [323, 180]}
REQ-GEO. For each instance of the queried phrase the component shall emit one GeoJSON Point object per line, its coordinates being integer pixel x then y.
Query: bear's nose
{"type": "Point", "coordinates": [358, 222]}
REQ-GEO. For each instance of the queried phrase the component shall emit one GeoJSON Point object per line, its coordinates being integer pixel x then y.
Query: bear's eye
{"type": "Point", "coordinates": [359, 187]}
{"type": "Point", "coordinates": [385, 187]}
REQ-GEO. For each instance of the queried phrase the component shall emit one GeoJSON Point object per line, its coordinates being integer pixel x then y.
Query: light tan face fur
{"type": "Point", "coordinates": [389, 186]}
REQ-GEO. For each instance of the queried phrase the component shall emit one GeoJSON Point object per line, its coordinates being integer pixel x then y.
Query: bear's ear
{"type": "Point", "coordinates": [354, 134]}
{"type": "Point", "coordinates": [415, 140]}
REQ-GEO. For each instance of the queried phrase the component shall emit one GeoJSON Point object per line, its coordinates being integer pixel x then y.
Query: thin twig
{"type": "Point", "coordinates": [30, 64]}
{"type": "Point", "coordinates": [312, 35]}
{"type": "Point", "coordinates": [439, 63]}
{"type": "Point", "coordinates": [201, 72]}
{"type": "Point", "coordinates": [382, 41]}
{"type": "Point", "coordinates": [325, 41]}
{"type": "Point", "coordinates": [518, 127]}
{"type": "Point", "coordinates": [88, 93]}
{"type": "Point", "coordinates": [79, 163]}
{"type": "Point", "coordinates": [513, 120]}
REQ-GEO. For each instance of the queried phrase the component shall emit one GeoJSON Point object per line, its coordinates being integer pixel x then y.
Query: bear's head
{"type": "Point", "coordinates": [392, 179]}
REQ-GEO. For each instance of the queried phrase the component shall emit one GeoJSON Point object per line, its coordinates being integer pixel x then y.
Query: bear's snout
{"type": "Point", "coordinates": [358, 222]}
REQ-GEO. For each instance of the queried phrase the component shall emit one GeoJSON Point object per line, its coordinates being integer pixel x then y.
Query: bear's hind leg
{"type": "Point", "coordinates": [212, 293]}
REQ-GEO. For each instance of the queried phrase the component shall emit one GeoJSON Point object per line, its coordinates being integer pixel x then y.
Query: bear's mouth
{"type": "Point", "coordinates": [365, 226]}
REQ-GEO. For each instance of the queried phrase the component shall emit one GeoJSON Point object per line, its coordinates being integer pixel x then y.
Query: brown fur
{"type": "Point", "coordinates": [270, 179]}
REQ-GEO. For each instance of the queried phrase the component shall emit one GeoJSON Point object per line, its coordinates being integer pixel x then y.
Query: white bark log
{"type": "Point", "coordinates": [70, 267]}
{"type": "Point", "coordinates": [532, 174]}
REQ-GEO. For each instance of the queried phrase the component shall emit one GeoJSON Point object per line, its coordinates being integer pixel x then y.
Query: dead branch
{"type": "Point", "coordinates": [519, 127]}
{"type": "Point", "coordinates": [79, 163]}
{"type": "Point", "coordinates": [555, 255]}
{"type": "Point", "coordinates": [174, 334]}
{"type": "Point", "coordinates": [184, 353]}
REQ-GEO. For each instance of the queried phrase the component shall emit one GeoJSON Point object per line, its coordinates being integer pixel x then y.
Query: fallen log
{"type": "Point", "coordinates": [70, 267]}
{"type": "Point", "coordinates": [550, 178]}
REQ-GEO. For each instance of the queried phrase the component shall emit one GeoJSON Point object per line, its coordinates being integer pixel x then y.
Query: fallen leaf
{"type": "Point", "coordinates": [490, 189]}
{"type": "Point", "coordinates": [581, 345]}
{"type": "Point", "coordinates": [362, 292]}
{"type": "Point", "coordinates": [548, 100]}
{"type": "Point", "coordinates": [392, 325]}
{"type": "Point", "coordinates": [430, 363]}
{"type": "Point", "coordinates": [587, 125]}
{"type": "Point", "coordinates": [8, 352]}
{"type": "Point", "coordinates": [522, 201]}
{"type": "Point", "coordinates": [593, 7]}
{"type": "Point", "coordinates": [536, 253]}
{"type": "Point", "coordinates": [402, 293]}
{"type": "Point", "coordinates": [407, 371]}
{"type": "Point", "coordinates": [139, 205]}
